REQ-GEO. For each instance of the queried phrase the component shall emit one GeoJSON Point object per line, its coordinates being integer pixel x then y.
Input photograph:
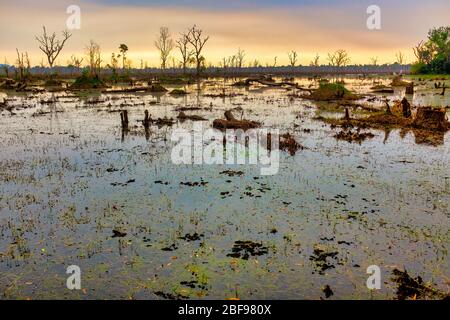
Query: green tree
{"type": "Point", "coordinates": [434, 54]}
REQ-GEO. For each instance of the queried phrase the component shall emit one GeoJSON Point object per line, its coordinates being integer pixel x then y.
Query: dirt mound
{"type": "Point", "coordinates": [397, 81]}
{"type": "Point", "coordinates": [232, 123]}
{"type": "Point", "coordinates": [431, 119]}
{"type": "Point", "coordinates": [86, 81]}
{"type": "Point", "coordinates": [331, 91]}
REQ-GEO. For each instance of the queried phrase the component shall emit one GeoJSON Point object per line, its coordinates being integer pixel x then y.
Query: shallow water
{"type": "Point", "coordinates": [70, 176]}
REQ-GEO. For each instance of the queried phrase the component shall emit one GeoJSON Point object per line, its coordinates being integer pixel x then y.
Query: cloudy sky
{"type": "Point", "coordinates": [263, 28]}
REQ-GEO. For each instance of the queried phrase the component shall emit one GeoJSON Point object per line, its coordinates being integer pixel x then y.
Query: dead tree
{"type": "Point", "coordinates": [292, 58]}
{"type": "Point", "coordinates": [164, 44]}
{"type": "Point", "coordinates": [20, 64]}
{"type": "Point", "coordinates": [240, 58]}
{"type": "Point", "coordinates": [399, 57]}
{"type": "Point", "coordinates": [94, 58]}
{"type": "Point", "coordinates": [186, 54]}
{"type": "Point", "coordinates": [51, 46]}
{"type": "Point", "coordinates": [198, 41]}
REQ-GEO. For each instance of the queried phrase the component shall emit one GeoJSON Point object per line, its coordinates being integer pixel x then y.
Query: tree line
{"type": "Point", "coordinates": [432, 55]}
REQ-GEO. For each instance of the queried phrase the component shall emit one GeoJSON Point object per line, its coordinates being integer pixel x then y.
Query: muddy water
{"type": "Point", "coordinates": [69, 177]}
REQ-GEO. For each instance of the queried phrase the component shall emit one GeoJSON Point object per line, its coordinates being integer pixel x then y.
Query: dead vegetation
{"type": "Point", "coordinates": [428, 124]}
{"type": "Point", "coordinates": [415, 288]}
{"type": "Point", "coordinates": [353, 136]}
{"type": "Point", "coordinates": [289, 144]}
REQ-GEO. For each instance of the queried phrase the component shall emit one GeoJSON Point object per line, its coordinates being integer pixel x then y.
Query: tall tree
{"type": "Point", "coordinates": [164, 44]}
{"type": "Point", "coordinates": [292, 58]}
{"type": "Point", "coordinates": [339, 58]}
{"type": "Point", "coordinates": [198, 41]}
{"type": "Point", "coordinates": [51, 46]}
{"type": "Point", "coordinates": [374, 61]}
{"type": "Point", "coordinates": [240, 56]}
{"type": "Point", "coordinates": [123, 48]}
{"type": "Point", "coordinates": [186, 54]}
{"type": "Point", "coordinates": [315, 62]}
{"type": "Point", "coordinates": [399, 57]}
{"type": "Point", "coordinates": [94, 57]}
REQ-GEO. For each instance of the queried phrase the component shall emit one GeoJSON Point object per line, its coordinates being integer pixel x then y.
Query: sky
{"type": "Point", "coordinates": [262, 28]}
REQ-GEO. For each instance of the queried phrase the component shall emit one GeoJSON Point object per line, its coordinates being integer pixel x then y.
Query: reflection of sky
{"type": "Point", "coordinates": [263, 28]}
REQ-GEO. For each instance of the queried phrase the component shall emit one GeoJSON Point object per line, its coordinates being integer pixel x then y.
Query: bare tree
{"type": "Point", "coordinates": [20, 64]}
{"type": "Point", "coordinates": [27, 63]}
{"type": "Point", "coordinates": [315, 62]}
{"type": "Point", "coordinates": [422, 53]}
{"type": "Point", "coordinates": [240, 58]}
{"type": "Point", "coordinates": [374, 61]}
{"type": "Point", "coordinates": [198, 41]}
{"type": "Point", "coordinates": [399, 57]}
{"type": "Point", "coordinates": [74, 61]}
{"type": "Point", "coordinates": [94, 57]}
{"type": "Point", "coordinates": [164, 44]}
{"type": "Point", "coordinates": [275, 61]}
{"type": "Point", "coordinates": [292, 58]}
{"type": "Point", "coordinates": [224, 62]}
{"type": "Point", "coordinates": [339, 58]}
{"type": "Point", "coordinates": [114, 65]}
{"type": "Point", "coordinates": [186, 54]}
{"type": "Point", "coordinates": [51, 46]}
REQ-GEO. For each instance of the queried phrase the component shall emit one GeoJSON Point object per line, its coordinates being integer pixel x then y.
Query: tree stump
{"type": "Point", "coordinates": [124, 119]}
{"type": "Point", "coordinates": [347, 114]}
{"type": "Point", "coordinates": [410, 88]}
{"type": "Point", "coordinates": [147, 120]}
{"type": "Point", "coordinates": [406, 108]}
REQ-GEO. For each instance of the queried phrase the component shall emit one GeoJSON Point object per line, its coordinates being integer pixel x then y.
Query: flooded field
{"type": "Point", "coordinates": [75, 189]}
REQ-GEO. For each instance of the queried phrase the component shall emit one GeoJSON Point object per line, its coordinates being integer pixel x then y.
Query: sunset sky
{"type": "Point", "coordinates": [263, 28]}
